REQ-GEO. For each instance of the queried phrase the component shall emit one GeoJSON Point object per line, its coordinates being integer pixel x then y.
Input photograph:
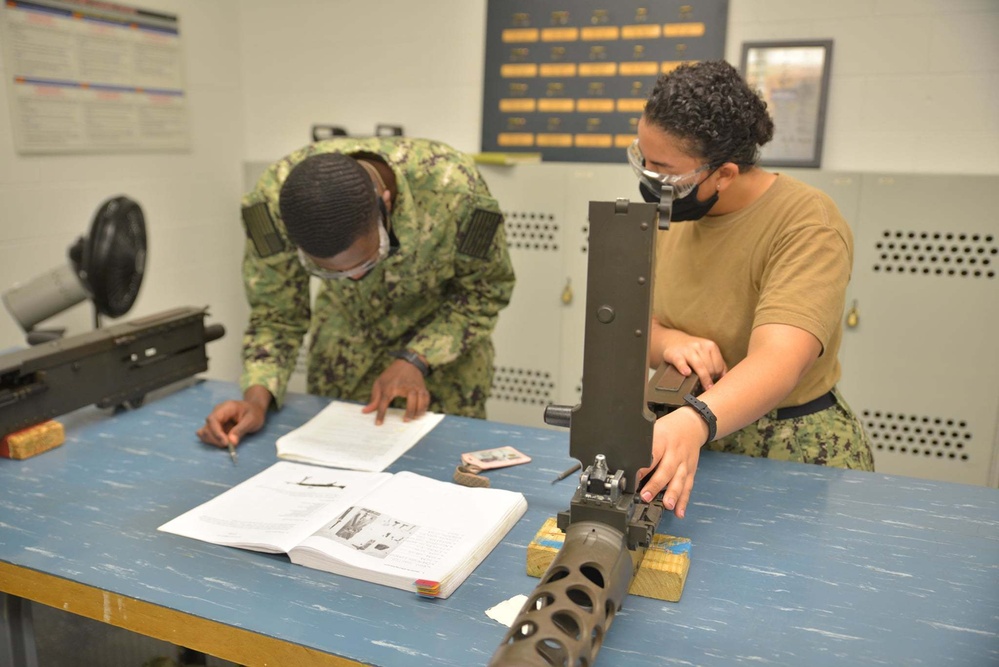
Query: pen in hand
{"type": "Point", "coordinates": [232, 449]}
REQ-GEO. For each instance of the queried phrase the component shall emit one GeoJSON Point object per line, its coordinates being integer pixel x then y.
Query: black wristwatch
{"type": "Point", "coordinates": [413, 358]}
{"type": "Point", "coordinates": [706, 415]}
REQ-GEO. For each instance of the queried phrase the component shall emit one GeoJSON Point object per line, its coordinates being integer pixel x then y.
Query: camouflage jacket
{"type": "Point", "coordinates": [439, 295]}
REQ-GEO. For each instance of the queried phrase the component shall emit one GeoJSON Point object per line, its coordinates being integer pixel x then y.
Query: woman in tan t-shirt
{"type": "Point", "coordinates": [749, 293]}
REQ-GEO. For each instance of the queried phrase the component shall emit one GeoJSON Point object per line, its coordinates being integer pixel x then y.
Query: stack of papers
{"type": "Point", "coordinates": [341, 436]}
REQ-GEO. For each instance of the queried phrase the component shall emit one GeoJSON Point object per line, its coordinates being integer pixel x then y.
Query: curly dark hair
{"type": "Point", "coordinates": [327, 202]}
{"type": "Point", "coordinates": [711, 109]}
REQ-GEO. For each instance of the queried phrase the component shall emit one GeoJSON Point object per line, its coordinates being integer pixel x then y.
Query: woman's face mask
{"type": "Point", "coordinates": [685, 187]}
{"type": "Point", "coordinates": [690, 207]}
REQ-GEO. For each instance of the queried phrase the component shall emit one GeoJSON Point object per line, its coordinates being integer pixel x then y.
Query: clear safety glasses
{"type": "Point", "coordinates": [682, 184]}
{"type": "Point", "coordinates": [385, 249]}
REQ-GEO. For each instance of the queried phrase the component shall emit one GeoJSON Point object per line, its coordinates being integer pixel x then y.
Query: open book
{"type": "Point", "coordinates": [402, 530]}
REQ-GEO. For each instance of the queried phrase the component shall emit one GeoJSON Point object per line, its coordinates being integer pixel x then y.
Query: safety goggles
{"type": "Point", "coordinates": [682, 184]}
{"type": "Point", "coordinates": [385, 249]}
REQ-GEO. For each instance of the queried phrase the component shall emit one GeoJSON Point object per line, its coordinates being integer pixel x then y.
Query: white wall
{"type": "Point", "coordinates": [915, 88]}
{"type": "Point", "coordinates": [355, 63]}
{"type": "Point", "coordinates": [190, 199]}
{"type": "Point", "coordinates": [915, 83]}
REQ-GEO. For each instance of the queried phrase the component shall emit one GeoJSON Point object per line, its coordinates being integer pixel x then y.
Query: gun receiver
{"type": "Point", "coordinates": [607, 526]}
{"type": "Point", "coordinates": [114, 366]}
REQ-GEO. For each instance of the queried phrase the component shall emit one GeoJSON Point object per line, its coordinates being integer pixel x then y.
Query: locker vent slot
{"type": "Point", "coordinates": [937, 254]}
{"type": "Point", "coordinates": [528, 230]}
{"type": "Point", "coordinates": [523, 385]}
{"type": "Point", "coordinates": [918, 435]}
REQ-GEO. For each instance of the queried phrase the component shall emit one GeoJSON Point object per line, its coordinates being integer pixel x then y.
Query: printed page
{"type": "Point", "coordinates": [413, 528]}
{"type": "Point", "coordinates": [277, 508]}
{"type": "Point", "coordinates": [342, 436]}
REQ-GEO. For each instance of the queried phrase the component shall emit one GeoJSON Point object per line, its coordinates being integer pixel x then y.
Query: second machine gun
{"type": "Point", "coordinates": [111, 367]}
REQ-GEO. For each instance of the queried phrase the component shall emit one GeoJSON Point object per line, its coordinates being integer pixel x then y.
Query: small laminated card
{"type": "Point", "coordinates": [499, 457]}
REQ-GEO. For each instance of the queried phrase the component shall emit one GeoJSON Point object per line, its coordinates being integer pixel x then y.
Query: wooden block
{"type": "Point", "coordinates": [661, 574]}
{"type": "Point", "coordinates": [32, 440]}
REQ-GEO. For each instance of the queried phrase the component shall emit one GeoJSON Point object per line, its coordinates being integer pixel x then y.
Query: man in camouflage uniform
{"type": "Point", "coordinates": [406, 305]}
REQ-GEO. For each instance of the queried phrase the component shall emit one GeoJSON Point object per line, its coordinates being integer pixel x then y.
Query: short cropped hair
{"type": "Point", "coordinates": [327, 203]}
{"type": "Point", "coordinates": [711, 109]}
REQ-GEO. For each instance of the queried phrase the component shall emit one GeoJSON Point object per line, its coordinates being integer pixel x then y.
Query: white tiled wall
{"type": "Point", "coordinates": [356, 63]}
{"type": "Point", "coordinates": [190, 199]}
{"type": "Point", "coordinates": [915, 84]}
{"type": "Point", "coordinates": [915, 88]}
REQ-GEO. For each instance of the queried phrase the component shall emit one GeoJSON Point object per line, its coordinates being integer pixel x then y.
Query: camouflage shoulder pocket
{"type": "Point", "coordinates": [475, 238]}
{"type": "Point", "coordinates": [260, 229]}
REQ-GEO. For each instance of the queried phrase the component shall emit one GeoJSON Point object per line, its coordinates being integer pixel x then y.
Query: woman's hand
{"type": "Point", "coordinates": [779, 355]}
{"type": "Point", "coordinates": [690, 354]}
{"type": "Point", "coordinates": [677, 439]}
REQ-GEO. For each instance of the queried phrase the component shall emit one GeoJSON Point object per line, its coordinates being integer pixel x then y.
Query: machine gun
{"type": "Point", "coordinates": [607, 526]}
{"type": "Point", "coordinates": [111, 367]}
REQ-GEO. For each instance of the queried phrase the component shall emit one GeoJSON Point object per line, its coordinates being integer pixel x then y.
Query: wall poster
{"type": "Point", "coordinates": [569, 80]}
{"type": "Point", "coordinates": [793, 79]}
{"type": "Point", "coordinates": [85, 76]}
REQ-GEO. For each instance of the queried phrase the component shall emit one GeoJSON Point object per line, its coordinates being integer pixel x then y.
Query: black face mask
{"type": "Point", "coordinates": [648, 194]}
{"type": "Point", "coordinates": [690, 208]}
{"type": "Point", "coordinates": [685, 208]}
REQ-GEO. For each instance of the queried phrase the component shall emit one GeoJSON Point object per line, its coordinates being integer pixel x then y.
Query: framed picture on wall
{"type": "Point", "coordinates": [793, 79]}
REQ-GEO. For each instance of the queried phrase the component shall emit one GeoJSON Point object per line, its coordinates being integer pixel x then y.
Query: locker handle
{"type": "Point", "coordinates": [567, 292]}
{"type": "Point", "coordinates": [853, 316]}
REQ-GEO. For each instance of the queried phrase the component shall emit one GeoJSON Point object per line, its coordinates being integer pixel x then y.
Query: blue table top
{"type": "Point", "coordinates": [791, 564]}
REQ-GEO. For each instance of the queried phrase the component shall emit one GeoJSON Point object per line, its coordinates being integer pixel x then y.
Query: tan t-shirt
{"type": "Point", "coordinates": [784, 259]}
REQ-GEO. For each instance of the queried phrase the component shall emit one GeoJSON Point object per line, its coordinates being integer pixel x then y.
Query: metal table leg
{"type": "Point", "coordinates": [17, 633]}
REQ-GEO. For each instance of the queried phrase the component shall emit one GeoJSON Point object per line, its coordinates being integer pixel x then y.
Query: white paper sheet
{"type": "Point", "coordinates": [341, 436]}
{"type": "Point", "coordinates": [506, 612]}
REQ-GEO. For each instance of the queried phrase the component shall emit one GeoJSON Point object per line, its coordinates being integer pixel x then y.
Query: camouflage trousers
{"type": "Point", "coordinates": [831, 437]}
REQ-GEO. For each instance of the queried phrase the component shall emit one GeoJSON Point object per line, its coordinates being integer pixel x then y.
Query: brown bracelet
{"type": "Point", "coordinates": [468, 475]}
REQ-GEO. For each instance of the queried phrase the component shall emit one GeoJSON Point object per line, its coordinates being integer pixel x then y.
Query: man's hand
{"type": "Point", "coordinates": [676, 448]}
{"type": "Point", "coordinates": [400, 379]}
{"type": "Point", "coordinates": [231, 420]}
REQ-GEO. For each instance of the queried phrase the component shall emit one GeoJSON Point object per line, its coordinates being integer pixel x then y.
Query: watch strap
{"type": "Point", "coordinates": [413, 358]}
{"type": "Point", "coordinates": [705, 412]}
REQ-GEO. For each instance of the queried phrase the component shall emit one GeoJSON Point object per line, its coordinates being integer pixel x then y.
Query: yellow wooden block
{"type": "Point", "coordinates": [32, 440]}
{"type": "Point", "coordinates": [661, 574]}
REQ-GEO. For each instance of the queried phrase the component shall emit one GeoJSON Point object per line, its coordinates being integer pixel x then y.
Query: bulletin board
{"type": "Point", "coordinates": [89, 77]}
{"type": "Point", "coordinates": [569, 79]}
